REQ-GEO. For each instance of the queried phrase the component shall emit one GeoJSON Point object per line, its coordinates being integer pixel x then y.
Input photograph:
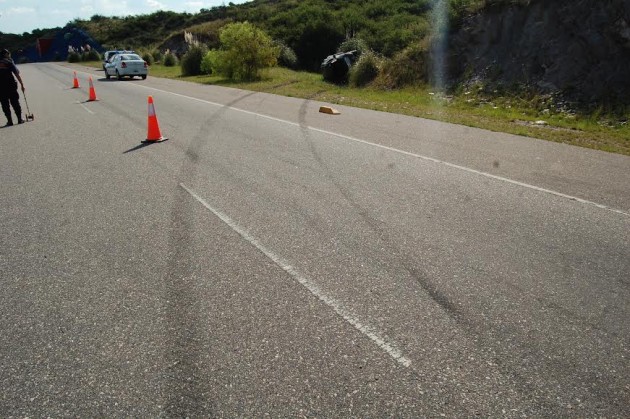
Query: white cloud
{"type": "Point", "coordinates": [86, 10]}
{"type": "Point", "coordinates": [194, 4]}
{"type": "Point", "coordinates": [156, 4]}
{"type": "Point", "coordinates": [20, 10]}
{"type": "Point", "coordinates": [111, 7]}
{"type": "Point", "coordinates": [60, 12]}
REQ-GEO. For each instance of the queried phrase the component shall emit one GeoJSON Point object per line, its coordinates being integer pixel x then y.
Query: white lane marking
{"type": "Point", "coordinates": [419, 156]}
{"type": "Point", "coordinates": [388, 347]}
{"type": "Point", "coordinates": [85, 107]}
{"type": "Point", "coordinates": [478, 172]}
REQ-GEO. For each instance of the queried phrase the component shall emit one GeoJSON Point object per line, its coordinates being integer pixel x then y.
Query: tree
{"type": "Point", "coordinates": [245, 50]}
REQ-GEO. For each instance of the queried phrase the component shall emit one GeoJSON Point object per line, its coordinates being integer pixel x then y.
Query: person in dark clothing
{"type": "Point", "coordinates": [8, 88]}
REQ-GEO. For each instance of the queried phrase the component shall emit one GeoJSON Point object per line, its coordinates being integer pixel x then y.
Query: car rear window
{"type": "Point", "coordinates": [131, 57]}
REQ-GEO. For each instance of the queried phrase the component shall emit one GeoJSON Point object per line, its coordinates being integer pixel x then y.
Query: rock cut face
{"type": "Point", "coordinates": [579, 49]}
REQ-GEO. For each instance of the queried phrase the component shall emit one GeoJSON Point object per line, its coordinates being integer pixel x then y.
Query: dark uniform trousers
{"type": "Point", "coordinates": [9, 91]}
{"type": "Point", "coordinates": [11, 97]}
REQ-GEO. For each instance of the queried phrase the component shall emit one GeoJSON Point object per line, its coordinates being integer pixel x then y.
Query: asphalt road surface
{"type": "Point", "coordinates": [269, 259]}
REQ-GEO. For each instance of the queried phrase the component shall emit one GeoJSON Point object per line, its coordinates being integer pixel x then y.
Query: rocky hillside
{"type": "Point", "coordinates": [576, 49]}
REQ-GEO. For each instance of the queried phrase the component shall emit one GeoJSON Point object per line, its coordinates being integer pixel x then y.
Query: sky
{"type": "Point", "coordinates": [19, 16]}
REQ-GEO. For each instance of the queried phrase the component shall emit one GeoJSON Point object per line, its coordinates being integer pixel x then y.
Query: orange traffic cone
{"type": "Point", "coordinates": [153, 133]}
{"type": "Point", "coordinates": [75, 84]}
{"type": "Point", "coordinates": [92, 92]}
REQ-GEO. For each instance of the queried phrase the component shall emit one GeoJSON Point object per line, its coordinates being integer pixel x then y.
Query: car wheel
{"type": "Point", "coordinates": [144, 77]}
{"type": "Point", "coordinates": [107, 76]}
{"type": "Point", "coordinates": [118, 75]}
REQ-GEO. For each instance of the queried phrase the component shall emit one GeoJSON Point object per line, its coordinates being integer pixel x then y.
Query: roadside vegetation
{"type": "Point", "coordinates": [277, 46]}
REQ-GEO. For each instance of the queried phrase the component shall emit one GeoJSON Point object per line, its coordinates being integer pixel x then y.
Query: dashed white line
{"type": "Point", "coordinates": [478, 172]}
{"type": "Point", "coordinates": [85, 107]}
{"type": "Point", "coordinates": [384, 344]}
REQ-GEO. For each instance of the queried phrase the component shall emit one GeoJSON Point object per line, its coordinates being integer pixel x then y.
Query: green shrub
{"type": "Point", "coordinates": [287, 57]}
{"type": "Point", "coordinates": [407, 68]}
{"type": "Point", "coordinates": [91, 55]}
{"type": "Point", "coordinates": [148, 57]}
{"type": "Point", "coordinates": [170, 60]}
{"type": "Point", "coordinates": [365, 70]}
{"type": "Point", "coordinates": [245, 50]}
{"type": "Point", "coordinates": [157, 56]}
{"type": "Point", "coordinates": [74, 57]}
{"type": "Point", "coordinates": [191, 61]}
{"type": "Point", "coordinates": [354, 44]}
{"type": "Point", "coordinates": [209, 62]}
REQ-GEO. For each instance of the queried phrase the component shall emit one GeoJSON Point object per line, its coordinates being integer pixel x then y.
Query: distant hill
{"type": "Point", "coordinates": [313, 28]}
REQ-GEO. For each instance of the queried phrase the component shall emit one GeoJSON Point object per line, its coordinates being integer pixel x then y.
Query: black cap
{"type": "Point", "coordinates": [5, 52]}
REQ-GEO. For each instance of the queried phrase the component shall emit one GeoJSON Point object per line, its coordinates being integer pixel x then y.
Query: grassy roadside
{"type": "Point", "coordinates": [512, 115]}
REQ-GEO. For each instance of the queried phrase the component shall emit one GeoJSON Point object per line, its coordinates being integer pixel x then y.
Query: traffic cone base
{"type": "Point", "coordinates": [153, 132]}
{"type": "Point", "coordinates": [160, 140]}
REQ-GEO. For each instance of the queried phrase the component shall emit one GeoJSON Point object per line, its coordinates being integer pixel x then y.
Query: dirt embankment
{"type": "Point", "coordinates": [576, 49]}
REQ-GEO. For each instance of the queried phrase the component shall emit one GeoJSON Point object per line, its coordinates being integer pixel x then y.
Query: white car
{"type": "Point", "coordinates": [126, 65]}
{"type": "Point", "coordinates": [109, 54]}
